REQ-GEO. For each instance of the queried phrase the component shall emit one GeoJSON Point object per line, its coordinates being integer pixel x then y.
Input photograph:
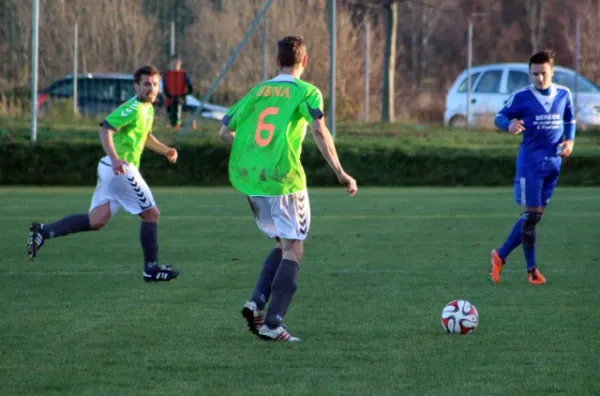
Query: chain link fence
{"type": "Point", "coordinates": [105, 41]}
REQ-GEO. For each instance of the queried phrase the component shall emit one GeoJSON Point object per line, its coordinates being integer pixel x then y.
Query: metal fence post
{"type": "Point", "coordinates": [225, 68]}
{"type": "Point", "coordinates": [332, 42]}
{"type": "Point", "coordinates": [469, 65]}
{"type": "Point", "coordinates": [367, 56]}
{"type": "Point", "coordinates": [75, 71]}
{"type": "Point", "coordinates": [34, 68]}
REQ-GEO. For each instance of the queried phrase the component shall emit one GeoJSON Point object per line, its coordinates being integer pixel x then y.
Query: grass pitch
{"type": "Point", "coordinates": [377, 272]}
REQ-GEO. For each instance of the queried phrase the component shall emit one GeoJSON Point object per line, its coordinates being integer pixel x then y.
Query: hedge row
{"type": "Point", "coordinates": [205, 164]}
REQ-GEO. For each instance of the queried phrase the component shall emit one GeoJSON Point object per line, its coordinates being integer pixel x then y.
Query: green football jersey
{"type": "Point", "coordinates": [132, 122]}
{"type": "Point", "coordinates": [270, 125]}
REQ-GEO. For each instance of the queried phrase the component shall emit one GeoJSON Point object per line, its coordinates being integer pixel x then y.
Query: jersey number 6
{"type": "Point", "coordinates": [265, 126]}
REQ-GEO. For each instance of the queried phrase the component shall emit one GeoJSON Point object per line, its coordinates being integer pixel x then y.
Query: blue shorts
{"type": "Point", "coordinates": [534, 189]}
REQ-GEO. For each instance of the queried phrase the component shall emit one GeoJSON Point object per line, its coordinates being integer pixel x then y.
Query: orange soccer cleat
{"type": "Point", "coordinates": [535, 277]}
{"type": "Point", "coordinates": [496, 267]}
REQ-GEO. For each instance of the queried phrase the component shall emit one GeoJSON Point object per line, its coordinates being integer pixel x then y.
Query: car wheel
{"type": "Point", "coordinates": [458, 121]}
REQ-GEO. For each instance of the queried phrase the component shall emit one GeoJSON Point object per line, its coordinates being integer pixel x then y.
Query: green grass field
{"type": "Point", "coordinates": [377, 272]}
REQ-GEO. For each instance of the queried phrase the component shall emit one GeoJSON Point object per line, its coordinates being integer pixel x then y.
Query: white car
{"type": "Point", "coordinates": [491, 86]}
{"type": "Point", "coordinates": [209, 110]}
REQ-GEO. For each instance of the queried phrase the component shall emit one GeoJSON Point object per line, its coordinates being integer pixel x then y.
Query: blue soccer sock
{"type": "Point", "coordinates": [513, 241]}
{"type": "Point", "coordinates": [262, 291]}
{"type": "Point", "coordinates": [149, 241]}
{"type": "Point", "coordinates": [70, 224]}
{"type": "Point", "coordinates": [284, 286]}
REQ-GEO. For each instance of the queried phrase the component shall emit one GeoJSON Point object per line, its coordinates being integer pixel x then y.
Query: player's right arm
{"type": "Point", "coordinates": [508, 119]}
{"type": "Point", "coordinates": [123, 115]}
{"type": "Point", "coordinates": [106, 138]}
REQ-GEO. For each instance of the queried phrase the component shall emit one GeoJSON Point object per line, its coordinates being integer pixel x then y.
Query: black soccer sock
{"type": "Point", "coordinates": [283, 289]}
{"type": "Point", "coordinates": [262, 291]}
{"type": "Point", "coordinates": [149, 241]}
{"type": "Point", "coordinates": [530, 220]}
{"type": "Point", "coordinates": [70, 224]}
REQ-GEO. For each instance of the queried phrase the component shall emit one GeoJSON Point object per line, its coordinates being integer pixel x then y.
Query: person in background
{"type": "Point", "coordinates": [177, 86]}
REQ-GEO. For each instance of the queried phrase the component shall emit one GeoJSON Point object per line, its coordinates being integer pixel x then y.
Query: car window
{"type": "Point", "coordinates": [517, 80]}
{"type": "Point", "coordinates": [489, 82]}
{"type": "Point", "coordinates": [83, 87]}
{"type": "Point", "coordinates": [105, 89]}
{"type": "Point", "coordinates": [97, 89]}
{"type": "Point", "coordinates": [462, 88]}
{"type": "Point", "coordinates": [568, 80]}
{"type": "Point", "coordinates": [64, 88]}
{"type": "Point", "coordinates": [125, 90]}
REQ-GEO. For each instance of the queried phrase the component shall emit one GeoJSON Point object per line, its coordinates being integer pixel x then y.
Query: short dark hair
{"type": "Point", "coordinates": [147, 70]}
{"type": "Point", "coordinates": [290, 51]}
{"type": "Point", "coordinates": [545, 56]}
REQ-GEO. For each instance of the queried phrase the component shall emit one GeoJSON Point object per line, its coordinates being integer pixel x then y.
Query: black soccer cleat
{"type": "Point", "coordinates": [255, 317]}
{"type": "Point", "coordinates": [163, 273]}
{"type": "Point", "coordinates": [35, 240]}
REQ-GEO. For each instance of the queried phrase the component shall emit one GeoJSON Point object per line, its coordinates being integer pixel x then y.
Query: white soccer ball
{"type": "Point", "coordinates": [459, 317]}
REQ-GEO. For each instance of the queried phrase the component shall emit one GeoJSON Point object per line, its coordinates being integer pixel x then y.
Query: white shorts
{"type": "Point", "coordinates": [283, 216]}
{"type": "Point", "coordinates": [129, 191]}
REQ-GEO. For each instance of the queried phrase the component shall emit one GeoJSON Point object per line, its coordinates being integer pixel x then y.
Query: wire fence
{"type": "Point", "coordinates": [105, 41]}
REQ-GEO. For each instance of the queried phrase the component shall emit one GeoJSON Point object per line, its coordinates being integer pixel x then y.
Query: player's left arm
{"type": "Point", "coordinates": [230, 120]}
{"type": "Point", "coordinates": [159, 147]}
{"type": "Point", "coordinates": [188, 84]}
{"type": "Point", "coordinates": [227, 135]}
{"type": "Point", "coordinates": [569, 128]}
{"type": "Point", "coordinates": [312, 111]}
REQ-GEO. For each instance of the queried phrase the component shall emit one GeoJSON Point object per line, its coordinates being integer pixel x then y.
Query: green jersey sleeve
{"type": "Point", "coordinates": [311, 107]}
{"type": "Point", "coordinates": [125, 114]}
{"type": "Point", "coordinates": [234, 114]}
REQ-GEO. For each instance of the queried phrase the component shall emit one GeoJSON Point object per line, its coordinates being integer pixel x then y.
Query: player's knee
{"type": "Point", "coordinates": [151, 215]}
{"type": "Point", "coordinates": [530, 220]}
{"type": "Point", "coordinates": [99, 217]}
{"type": "Point", "coordinates": [98, 223]}
{"type": "Point", "coordinates": [293, 250]}
{"type": "Point", "coordinates": [292, 255]}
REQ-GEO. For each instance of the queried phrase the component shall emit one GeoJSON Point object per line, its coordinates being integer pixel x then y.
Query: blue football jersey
{"type": "Point", "coordinates": [544, 117]}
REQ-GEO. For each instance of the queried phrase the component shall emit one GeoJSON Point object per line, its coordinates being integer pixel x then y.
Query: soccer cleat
{"type": "Point", "coordinates": [161, 273]}
{"type": "Point", "coordinates": [35, 240]}
{"type": "Point", "coordinates": [535, 277]}
{"type": "Point", "coordinates": [254, 316]}
{"type": "Point", "coordinates": [496, 266]}
{"type": "Point", "coordinates": [278, 334]}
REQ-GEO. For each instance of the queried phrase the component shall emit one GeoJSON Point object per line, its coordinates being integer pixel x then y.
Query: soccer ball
{"type": "Point", "coordinates": [459, 317]}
